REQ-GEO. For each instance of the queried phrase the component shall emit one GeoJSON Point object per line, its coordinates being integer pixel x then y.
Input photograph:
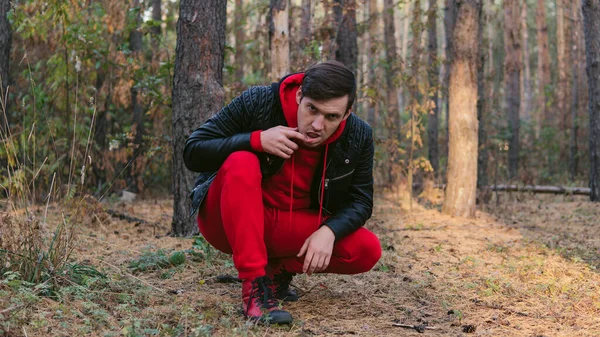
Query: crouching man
{"type": "Point", "coordinates": [286, 185]}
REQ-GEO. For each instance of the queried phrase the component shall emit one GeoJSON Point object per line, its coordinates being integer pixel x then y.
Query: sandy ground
{"type": "Point", "coordinates": [522, 267]}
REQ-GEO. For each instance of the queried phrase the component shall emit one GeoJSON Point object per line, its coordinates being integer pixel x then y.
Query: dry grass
{"type": "Point", "coordinates": [493, 273]}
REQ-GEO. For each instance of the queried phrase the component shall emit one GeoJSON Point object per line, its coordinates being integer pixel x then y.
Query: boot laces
{"type": "Point", "coordinates": [262, 293]}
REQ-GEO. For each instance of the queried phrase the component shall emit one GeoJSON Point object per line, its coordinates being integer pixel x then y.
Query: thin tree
{"type": "Point", "coordinates": [346, 40]}
{"type": "Point", "coordinates": [155, 29]}
{"type": "Point", "coordinates": [240, 38]}
{"type": "Point", "coordinates": [482, 154]}
{"type": "Point", "coordinates": [462, 153]}
{"type": "Point", "coordinates": [5, 45]}
{"type": "Point", "coordinates": [433, 74]}
{"type": "Point", "coordinates": [306, 25]}
{"type": "Point", "coordinates": [512, 77]}
{"type": "Point", "coordinates": [279, 38]}
{"type": "Point", "coordinates": [197, 91]}
{"type": "Point", "coordinates": [526, 87]}
{"type": "Point", "coordinates": [391, 59]}
{"type": "Point", "coordinates": [136, 45]}
{"type": "Point", "coordinates": [372, 60]}
{"type": "Point", "coordinates": [450, 13]}
{"type": "Point", "coordinates": [543, 66]}
{"type": "Point", "coordinates": [591, 20]}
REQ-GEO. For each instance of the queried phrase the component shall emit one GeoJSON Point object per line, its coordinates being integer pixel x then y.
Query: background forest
{"type": "Point", "coordinates": [90, 87]}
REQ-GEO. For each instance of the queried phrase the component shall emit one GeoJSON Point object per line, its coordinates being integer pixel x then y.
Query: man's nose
{"type": "Point", "coordinates": [318, 123]}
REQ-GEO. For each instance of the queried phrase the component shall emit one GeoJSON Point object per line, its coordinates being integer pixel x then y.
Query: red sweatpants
{"type": "Point", "coordinates": [234, 220]}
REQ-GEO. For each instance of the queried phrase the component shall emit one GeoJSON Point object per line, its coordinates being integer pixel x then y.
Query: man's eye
{"type": "Point", "coordinates": [332, 117]}
{"type": "Point", "coordinates": [312, 108]}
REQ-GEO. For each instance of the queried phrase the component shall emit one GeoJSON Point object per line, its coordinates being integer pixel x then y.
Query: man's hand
{"type": "Point", "coordinates": [318, 248]}
{"type": "Point", "coordinates": [278, 141]}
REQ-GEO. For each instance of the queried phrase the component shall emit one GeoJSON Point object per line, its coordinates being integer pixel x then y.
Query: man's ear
{"type": "Point", "coordinates": [347, 114]}
{"type": "Point", "coordinates": [299, 95]}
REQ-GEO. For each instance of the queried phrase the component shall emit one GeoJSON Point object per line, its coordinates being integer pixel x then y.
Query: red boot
{"type": "Point", "coordinates": [259, 304]}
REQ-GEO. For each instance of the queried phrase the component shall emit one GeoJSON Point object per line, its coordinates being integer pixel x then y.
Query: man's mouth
{"type": "Point", "coordinates": [312, 135]}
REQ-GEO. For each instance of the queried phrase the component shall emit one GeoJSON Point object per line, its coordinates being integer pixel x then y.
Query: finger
{"type": "Point", "coordinates": [303, 249]}
{"type": "Point", "coordinates": [307, 261]}
{"type": "Point", "coordinates": [319, 266]}
{"type": "Point", "coordinates": [327, 260]}
{"type": "Point", "coordinates": [313, 265]}
{"type": "Point", "coordinates": [282, 154]}
{"type": "Point", "coordinates": [294, 134]}
{"type": "Point", "coordinates": [290, 144]}
{"type": "Point", "coordinates": [286, 150]}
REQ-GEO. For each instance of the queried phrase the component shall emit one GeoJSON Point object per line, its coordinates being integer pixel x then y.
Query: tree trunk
{"type": "Point", "coordinates": [197, 91]}
{"type": "Point", "coordinates": [372, 52]}
{"type": "Point", "coordinates": [136, 45]}
{"type": "Point", "coordinates": [543, 67]}
{"type": "Point", "coordinates": [482, 155]}
{"type": "Point", "coordinates": [433, 69]}
{"type": "Point", "coordinates": [450, 13]}
{"type": "Point", "coordinates": [279, 39]}
{"type": "Point", "coordinates": [462, 155]}
{"type": "Point", "coordinates": [526, 76]}
{"type": "Point", "coordinates": [306, 24]}
{"type": "Point", "coordinates": [392, 68]}
{"type": "Point", "coordinates": [512, 70]}
{"type": "Point", "coordinates": [564, 45]}
{"type": "Point", "coordinates": [240, 39]}
{"type": "Point", "coordinates": [416, 27]}
{"type": "Point", "coordinates": [577, 29]}
{"type": "Point", "coordinates": [591, 20]}
{"type": "Point", "coordinates": [346, 40]}
{"type": "Point", "coordinates": [155, 30]}
{"type": "Point", "coordinates": [5, 45]}
{"type": "Point", "coordinates": [403, 55]}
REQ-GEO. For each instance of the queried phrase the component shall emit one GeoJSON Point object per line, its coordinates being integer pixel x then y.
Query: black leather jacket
{"type": "Point", "coordinates": [348, 190]}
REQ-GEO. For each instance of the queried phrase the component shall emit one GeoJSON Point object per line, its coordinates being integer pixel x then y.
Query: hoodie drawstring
{"type": "Point", "coordinates": [320, 219]}
{"type": "Point", "coordinates": [292, 190]}
{"type": "Point", "coordinates": [323, 186]}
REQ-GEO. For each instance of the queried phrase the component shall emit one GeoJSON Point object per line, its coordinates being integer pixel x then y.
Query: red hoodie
{"type": "Point", "coordinates": [297, 172]}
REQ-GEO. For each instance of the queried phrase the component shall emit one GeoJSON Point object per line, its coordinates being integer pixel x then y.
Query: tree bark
{"type": "Point", "coordinates": [346, 39]}
{"type": "Point", "coordinates": [512, 70]}
{"type": "Point", "coordinates": [543, 67]}
{"type": "Point", "coordinates": [240, 38]}
{"type": "Point", "coordinates": [306, 24]}
{"type": "Point", "coordinates": [576, 89]}
{"type": "Point", "coordinates": [526, 75]}
{"type": "Point", "coordinates": [5, 46]}
{"type": "Point", "coordinates": [392, 68]}
{"type": "Point", "coordinates": [482, 154]}
{"type": "Point", "coordinates": [372, 52]}
{"type": "Point", "coordinates": [155, 30]}
{"type": "Point", "coordinates": [136, 45]}
{"type": "Point", "coordinates": [450, 13]}
{"type": "Point", "coordinates": [279, 39]}
{"type": "Point", "coordinates": [197, 91]}
{"type": "Point", "coordinates": [591, 20]}
{"type": "Point", "coordinates": [433, 69]}
{"type": "Point", "coordinates": [462, 157]}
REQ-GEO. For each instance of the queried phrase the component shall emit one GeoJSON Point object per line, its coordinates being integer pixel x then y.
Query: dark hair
{"type": "Point", "coordinates": [329, 79]}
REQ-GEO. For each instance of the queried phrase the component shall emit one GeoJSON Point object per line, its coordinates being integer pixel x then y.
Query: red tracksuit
{"type": "Point", "coordinates": [263, 221]}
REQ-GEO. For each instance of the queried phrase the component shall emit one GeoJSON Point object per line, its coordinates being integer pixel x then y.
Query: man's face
{"type": "Point", "coordinates": [318, 120]}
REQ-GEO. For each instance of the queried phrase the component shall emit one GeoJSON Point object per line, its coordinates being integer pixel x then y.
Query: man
{"type": "Point", "coordinates": [266, 195]}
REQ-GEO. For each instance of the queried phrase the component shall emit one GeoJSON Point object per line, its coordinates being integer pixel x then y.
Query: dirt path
{"type": "Point", "coordinates": [484, 277]}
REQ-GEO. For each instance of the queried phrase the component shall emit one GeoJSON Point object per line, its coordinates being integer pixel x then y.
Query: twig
{"type": "Point", "coordinates": [128, 218]}
{"type": "Point", "coordinates": [419, 328]}
{"type": "Point", "coordinates": [7, 310]}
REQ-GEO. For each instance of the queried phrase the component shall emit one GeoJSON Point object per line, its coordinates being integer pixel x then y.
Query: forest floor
{"type": "Point", "coordinates": [526, 266]}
